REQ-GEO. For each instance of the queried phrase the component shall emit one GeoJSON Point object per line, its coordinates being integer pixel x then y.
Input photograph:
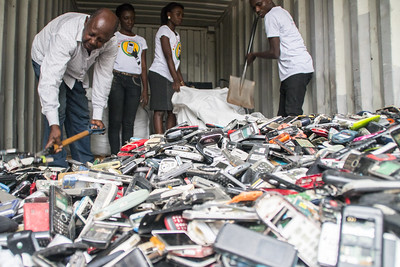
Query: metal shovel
{"type": "Point", "coordinates": [241, 91]}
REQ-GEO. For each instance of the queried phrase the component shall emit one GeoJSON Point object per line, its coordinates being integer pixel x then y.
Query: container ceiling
{"type": "Point", "coordinates": [198, 13]}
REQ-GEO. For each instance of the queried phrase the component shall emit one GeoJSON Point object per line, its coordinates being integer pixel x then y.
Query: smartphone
{"type": "Point", "coordinates": [360, 237]}
{"type": "Point", "coordinates": [61, 211]}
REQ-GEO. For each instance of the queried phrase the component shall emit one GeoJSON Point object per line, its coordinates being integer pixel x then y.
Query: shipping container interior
{"type": "Point", "coordinates": [354, 46]}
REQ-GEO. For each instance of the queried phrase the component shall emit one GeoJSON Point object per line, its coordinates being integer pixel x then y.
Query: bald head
{"type": "Point", "coordinates": [99, 29]}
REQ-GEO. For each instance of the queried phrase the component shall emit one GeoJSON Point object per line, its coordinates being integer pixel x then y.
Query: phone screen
{"type": "Point", "coordinates": [396, 136]}
{"type": "Point", "coordinates": [176, 239]}
{"type": "Point", "coordinates": [61, 201]}
{"type": "Point", "coordinates": [304, 142]}
{"type": "Point", "coordinates": [357, 246]}
{"type": "Point", "coordinates": [388, 167]}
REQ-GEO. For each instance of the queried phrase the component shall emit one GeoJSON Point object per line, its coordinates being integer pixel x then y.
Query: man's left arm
{"type": "Point", "coordinates": [102, 79]}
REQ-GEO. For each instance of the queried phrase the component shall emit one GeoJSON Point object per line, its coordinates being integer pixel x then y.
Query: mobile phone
{"type": "Point", "coordinates": [286, 221]}
{"type": "Point", "coordinates": [328, 244]}
{"type": "Point", "coordinates": [192, 262]}
{"type": "Point", "coordinates": [212, 151]}
{"type": "Point", "coordinates": [217, 213]}
{"type": "Point", "coordinates": [83, 208]}
{"type": "Point", "coordinates": [306, 145]}
{"type": "Point", "coordinates": [244, 132]}
{"type": "Point", "coordinates": [99, 235]}
{"type": "Point", "coordinates": [22, 242]}
{"type": "Point", "coordinates": [36, 216]}
{"type": "Point", "coordinates": [361, 236]}
{"type": "Point", "coordinates": [184, 154]}
{"type": "Point", "coordinates": [130, 47]}
{"type": "Point", "coordinates": [343, 136]}
{"type": "Point", "coordinates": [10, 208]}
{"type": "Point", "coordinates": [61, 213]}
{"type": "Point", "coordinates": [387, 148]}
{"type": "Point", "coordinates": [175, 222]}
{"type": "Point", "coordinates": [288, 119]}
{"type": "Point", "coordinates": [132, 257]}
{"type": "Point", "coordinates": [391, 250]}
{"type": "Point", "coordinates": [388, 169]}
{"type": "Point", "coordinates": [275, 253]}
{"type": "Point", "coordinates": [167, 165]}
{"type": "Point", "coordinates": [225, 179]}
{"type": "Point", "coordinates": [395, 134]}
{"type": "Point", "coordinates": [122, 204]}
{"type": "Point", "coordinates": [175, 239]}
{"type": "Point", "coordinates": [258, 152]}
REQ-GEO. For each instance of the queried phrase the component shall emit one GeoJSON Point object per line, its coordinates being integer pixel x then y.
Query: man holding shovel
{"type": "Point", "coordinates": [285, 44]}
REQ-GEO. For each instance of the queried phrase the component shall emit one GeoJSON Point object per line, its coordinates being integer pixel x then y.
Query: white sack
{"type": "Point", "coordinates": [201, 106]}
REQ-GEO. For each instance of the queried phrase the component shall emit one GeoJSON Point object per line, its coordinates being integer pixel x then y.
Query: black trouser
{"type": "Point", "coordinates": [292, 92]}
{"type": "Point", "coordinates": [123, 103]}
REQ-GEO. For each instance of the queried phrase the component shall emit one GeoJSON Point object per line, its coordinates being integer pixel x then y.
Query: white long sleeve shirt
{"type": "Point", "coordinates": [58, 49]}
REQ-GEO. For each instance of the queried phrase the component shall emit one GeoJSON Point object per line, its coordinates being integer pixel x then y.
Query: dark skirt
{"type": "Point", "coordinates": [161, 92]}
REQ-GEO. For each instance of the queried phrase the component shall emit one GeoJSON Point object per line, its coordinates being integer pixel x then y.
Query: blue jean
{"type": "Point", "coordinates": [74, 116]}
{"type": "Point", "coordinates": [123, 103]}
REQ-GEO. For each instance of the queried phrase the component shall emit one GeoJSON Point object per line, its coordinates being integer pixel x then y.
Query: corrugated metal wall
{"type": "Point", "coordinates": [20, 115]}
{"type": "Point", "coordinates": [197, 64]}
{"type": "Point", "coordinates": [20, 20]}
{"type": "Point", "coordinates": [353, 43]}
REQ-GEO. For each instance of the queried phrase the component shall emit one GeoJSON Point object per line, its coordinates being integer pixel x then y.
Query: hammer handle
{"type": "Point", "coordinates": [72, 139]}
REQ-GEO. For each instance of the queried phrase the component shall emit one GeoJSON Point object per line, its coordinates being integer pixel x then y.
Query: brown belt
{"type": "Point", "coordinates": [126, 74]}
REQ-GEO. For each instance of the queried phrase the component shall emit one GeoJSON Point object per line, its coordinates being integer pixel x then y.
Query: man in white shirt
{"type": "Point", "coordinates": [287, 46]}
{"type": "Point", "coordinates": [62, 53]}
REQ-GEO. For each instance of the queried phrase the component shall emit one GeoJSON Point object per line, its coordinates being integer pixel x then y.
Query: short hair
{"type": "Point", "coordinates": [124, 7]}
{"type": "Point", "coordinates": [166, 9]}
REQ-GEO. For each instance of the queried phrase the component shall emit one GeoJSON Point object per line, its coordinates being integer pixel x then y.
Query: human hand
{"type": "Point", "coordinates": [250, 58]}
{"type": "Point", "coordinates": [176, 86]}
{"type": "Point", "coordinates": [97, 124]}
{"type": "Point", "coordinates": [144, 99]}
{"type": "Point", "coordinates": [54, 138]}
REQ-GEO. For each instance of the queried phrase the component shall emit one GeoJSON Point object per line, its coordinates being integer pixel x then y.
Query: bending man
{"type": "Point", "coordinates": [62, 53]}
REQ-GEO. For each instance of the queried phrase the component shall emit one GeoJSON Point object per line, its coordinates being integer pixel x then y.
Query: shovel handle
{"type": "Point", "coordinates": [253, 32]}
{"type": "Point", "coordinates": [72, 139]}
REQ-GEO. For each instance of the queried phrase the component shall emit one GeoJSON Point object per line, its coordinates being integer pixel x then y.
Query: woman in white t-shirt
{"type": "Point", "coordinates": [165, 77]}
{"type": "Point", "coordinates": [287, 46]}
{"type": "Point", "coordinates": [130, 73]}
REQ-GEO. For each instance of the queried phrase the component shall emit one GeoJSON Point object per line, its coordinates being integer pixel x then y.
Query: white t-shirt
{"type": "Point", "coordinates": [129, 57]}
{"type": "Point", "coordinates": [160, 63]}
{"type": "Point", "coordinates": [294, 57]}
